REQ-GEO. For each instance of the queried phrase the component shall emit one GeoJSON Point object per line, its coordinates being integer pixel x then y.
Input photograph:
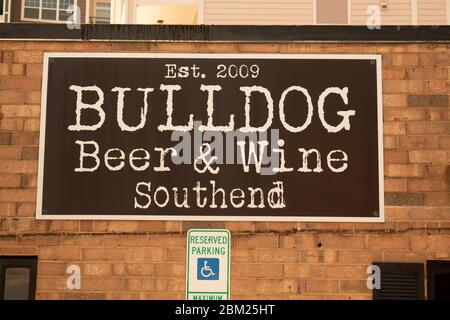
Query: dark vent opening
{"type": "Point", "coordinates": [400, 281]}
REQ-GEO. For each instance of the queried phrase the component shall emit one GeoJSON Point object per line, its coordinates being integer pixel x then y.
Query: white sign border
{"type": "Point", "coordinates": [229, 261]}
{"type": "Point", "coordinates": [49, 55]}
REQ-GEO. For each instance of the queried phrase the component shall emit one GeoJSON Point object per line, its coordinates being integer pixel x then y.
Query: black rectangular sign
{"type": "Point", "coordinates": [211, 137]}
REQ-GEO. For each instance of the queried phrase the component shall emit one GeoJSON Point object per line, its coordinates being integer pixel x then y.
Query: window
{"type": "Point", "coordinates": [331, 11]}
{"type": "Point", "coordinates": [102, 12]}
{"type": "Point", "coordinates": [438, 280]}
{"type": "Point", "coordinates": [17, 278]}
{"type": "Point", "coordinates": [400, 281]}
{"type": "Point", "coordinates": [5, 4]}
{"type": "Point", "coordinates": [47, 10]}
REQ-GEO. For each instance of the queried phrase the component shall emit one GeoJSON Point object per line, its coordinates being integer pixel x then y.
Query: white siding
{"type": "Point", "coordinates": [287, 12]}
{"type": "Point", "coordinates": [432, 12]}
{"type": "Point", "coordinates": [300, 12]}
{"type": "Point", "coordinates": [397, 12]}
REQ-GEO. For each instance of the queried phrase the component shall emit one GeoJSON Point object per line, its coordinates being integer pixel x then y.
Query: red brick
{"type": "Point", "coordinates": [5, 138]}
{"type": "Point", "coordinates": [403, 256]}
{"type": "Point", "coordinates": [365, 257]}
{"type": "Point", "coordinates": [321, 286]}
{"type": "Point", "coordinates": [394, 73]}
{"type": "Point", "coordinates": [70, 254]}
{"type": "Point", "coordinates": [4, 69]}
{"type": "Point", "coordinates": [46, 283]}
{"type": "Point", "coordinates": [318, 256]}
{"type": "Point", "coordinates": [125, 241]}
{"type": "Point", "coordinates": [444, 143]}
{"type": "Point", "coordinates": [418, 142]}
{"type": "Point", "coordinates": [34, 69]}
{"type": "Point", "coordinates": [301, 241]}
{"type": "Point", "coordinates": [20, 84]}
{"type": "Point", "coordinates": [32, 225]}
{"type": "Point", "coordinates": [31, 124]}
{"type": "Point", "coordinates": [18, 195]}
{"type": "Point", "coordinates": [437, 198]}
{"type": "Point", "coordinates": [169, 270]}
{"type": "Point", "coordinates": [277, 285]}
{"type": "Point", "coordinates": [86, 226]}
{"type": "Point", "coordinates": [18, 166]}
{"type": "Point", "coordinates": [7, 209]}
{"type": "Point", "coordinates": [394, 128]}
{"type": "Point", "coordinates": [439, 171]}
{"type": "Point", "coordinates": [388, 242]}
{"type": "Point", "coordinates": [65, 225]}
{"type": "Point", "coordinates": [256, 241]}
{"type": "Point", "coordinates": [436, 86]}
{"type": "Point", "coordinates": [146, 254]}
{"type": "Point", "coordinates": [281, 226]}
{"type": "Point", "coordinates": [430, 59]}
{"type": "Point", "coordinates": [442, 114]}
{"type": "Point", "coordinates": [431, 242]}
{"type": "Point", "coordinates": [242, 286]}
{"type": "Point", "coordinates": [404, 170]}
{"type": "Point", "coordinates": [395, 100]}
{"type": "Point", "coordinates": [395, 213]}
{"type": "Point", "coordinates": [354, 286]}
{"type": "Point", "coordinates": [30, 153]}
{"type": "Point", "coordinates": [147, 284]}
{"type": "Point", "coordinates": [96, 269]}
{"type": "Point", "coordinates": [403, 114]}
{"type": "Point", "coordinates": [12, 97]}
{"type": "Point", "coordinates": [133, 269]}
{"type": "Point", "coordinates": [332, 241]}
{"type": "Point", "coordinates": [151, 226]}
{"type": "Point", "coordinates": [422, 185]}
{"type": "Point", "coordinates": [166, 240]}
{"type": "Point", "coordinates": [39, 239]}
{"type": "Point", "coordinates": [179, 255]}
{"type": "Point", "coordinates": [277, 255]}
{"type": "Point", "coordinates": [427, 73]}
{"type": "Point", "coordinates": [89, 240]}
{"type": "Point", "coordinates": [9, 180]}
{"type": "Point", "coordinates": [33, 97]}
{"type": "Point", "coordinates": [427, 156]}
{"type": "Point", "coordinates": [395, 156]}
{"type": "Point", "coordinates": [18, 251]}
{"type": "Point", "coordinates": [52, 268]}
{"type": "Point", "coordinates": [71, 295]}
{"type": "Point", "coordinates": [116, 226]}
{"type": "Point", "coordinates": [10, 152]}
{"type": "Point", "coordinates": [303, 271]}
{"type": "Point", "coordinates": [404, 59]}
{"type": "Point", "coordinates": [244, 255]}
{"type": "Point", "coordinates": [25, 138]}
{"type": "Point", "coordinates": [17, 69]}
{"type": "Point", "coordinates": [389, 142]}
{"type": "Point", "coordinates": [429, 213]}
{"type": "Point", "coordinates": [239, 226]}
{"type": "Point", "coordinates": [103, 284]}
{"type": "Point", "coordinates": [28, 56]}
{"type": "Point", "coordinates": [11, 124]}
{"type": "Point", "coordinates": [103, 254]}
{"type": "Point", "coordinates": [8, 56]}
{"type": "Point", "coordinates": [261, 270]}
{"type": "Point", "coordinates": [395, 185]}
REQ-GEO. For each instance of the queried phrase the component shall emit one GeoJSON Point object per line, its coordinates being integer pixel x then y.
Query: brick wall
{"type": "Point", "coordinates": [146, 259]}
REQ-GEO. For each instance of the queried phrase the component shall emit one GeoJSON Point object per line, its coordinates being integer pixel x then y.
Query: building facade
{"type": "Point", "coordinates": [269, 260]}
{"type": "Point", "coordinates": [217, 12]}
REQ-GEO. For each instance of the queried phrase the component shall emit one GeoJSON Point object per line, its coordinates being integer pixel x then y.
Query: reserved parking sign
{"type": "Point", "coordinates": [208, 264]}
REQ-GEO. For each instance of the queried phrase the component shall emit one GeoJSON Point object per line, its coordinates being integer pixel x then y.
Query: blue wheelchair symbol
{"type": "Point", "coordinates": [207, 269]}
